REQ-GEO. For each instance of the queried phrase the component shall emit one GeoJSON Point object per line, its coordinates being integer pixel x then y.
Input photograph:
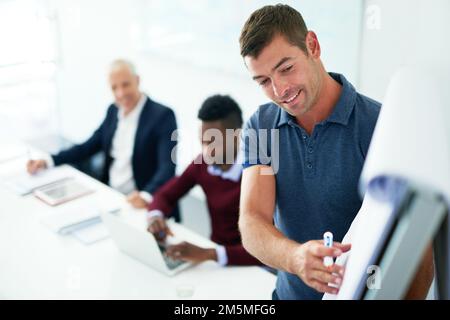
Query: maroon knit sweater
{"type": "Point", "coordinates": [222, 197]}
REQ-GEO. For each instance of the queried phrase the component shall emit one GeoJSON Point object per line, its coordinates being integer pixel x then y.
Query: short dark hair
{"type": "Point", "coordinates": [223, 108]}
{"type": "Point", "coordinates": [269, 21]}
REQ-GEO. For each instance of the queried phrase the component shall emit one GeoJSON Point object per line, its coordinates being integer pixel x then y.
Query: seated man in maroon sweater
{"type": "Point", "coordinates": [220, 178]}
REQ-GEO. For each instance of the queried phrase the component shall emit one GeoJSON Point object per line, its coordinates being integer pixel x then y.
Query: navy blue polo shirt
{"type": "Point", "coordinates": [316, 175]}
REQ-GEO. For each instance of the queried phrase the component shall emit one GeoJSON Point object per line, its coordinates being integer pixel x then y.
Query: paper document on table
{"type": "Point", "coordinates": [68, 220]}
{"type": "Point", "coordinates": [62, 191]}
{"type": "Point", "coordinates": [25, 183]}
{"type": "Point", "coordinates": [92, 233]}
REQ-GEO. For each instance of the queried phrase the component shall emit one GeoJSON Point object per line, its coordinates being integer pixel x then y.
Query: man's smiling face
{"type": "Point", "coordinates": [288, 76]}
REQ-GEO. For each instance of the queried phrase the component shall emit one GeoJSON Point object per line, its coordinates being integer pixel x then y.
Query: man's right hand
{"type": "Point", "coordinates": [158, 227]}
{"type": "Point", "coordinates": [34, 166]}
{"type": "Point", "coordinates": [307, 263]}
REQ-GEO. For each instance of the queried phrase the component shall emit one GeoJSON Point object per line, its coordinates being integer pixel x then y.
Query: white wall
{"type": "Point", "coordinates": [92, 33]}
{"type": "Point", "coordinates": [95, 32]}
{"type": "Point", "coordinates": [401, 32]}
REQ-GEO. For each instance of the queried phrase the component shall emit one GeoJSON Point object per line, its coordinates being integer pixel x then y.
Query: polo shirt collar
{"type": "Point", "coordinates": [342, 110]}
{"type": "Point", "coordinates": [346, 103]}
{"type": "Point", "coordinates": [284, 118]}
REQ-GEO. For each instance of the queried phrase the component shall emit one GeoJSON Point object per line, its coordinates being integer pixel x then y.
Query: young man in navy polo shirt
{"type": "Point", "coordinates": [303, 181]}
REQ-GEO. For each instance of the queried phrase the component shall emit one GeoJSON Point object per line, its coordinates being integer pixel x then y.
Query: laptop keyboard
{"type": "Point", "coordinates": [171, 263]}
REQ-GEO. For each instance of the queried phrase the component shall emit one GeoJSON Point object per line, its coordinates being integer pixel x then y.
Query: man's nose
{"type": "Point", "coordinates": [119, 93]}
{"type": "Point", "coordinates": [280, 88]}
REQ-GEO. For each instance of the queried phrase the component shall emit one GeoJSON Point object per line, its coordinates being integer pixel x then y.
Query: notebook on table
{"type": "Point", "coordinates": [62, 191]}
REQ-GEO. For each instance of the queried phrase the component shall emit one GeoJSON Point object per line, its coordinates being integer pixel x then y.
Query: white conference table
{"type": "Point", "coordinates": [36, 263]}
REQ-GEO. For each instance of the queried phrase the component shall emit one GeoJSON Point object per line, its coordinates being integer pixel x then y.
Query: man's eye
{"type": "Point", "coordinates": [264, 82]}
{"type": "Point", "coordinates": [287, 69]}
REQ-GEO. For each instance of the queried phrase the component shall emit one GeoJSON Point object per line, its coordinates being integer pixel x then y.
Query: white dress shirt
{"type": "Point", "coordinates": [233, 174]}
{"type": "Point", "coordinates": [121, 171]}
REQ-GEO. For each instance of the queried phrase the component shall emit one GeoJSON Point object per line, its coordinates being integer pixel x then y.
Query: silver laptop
{"type": "Point", "coordinates": [141, 245]}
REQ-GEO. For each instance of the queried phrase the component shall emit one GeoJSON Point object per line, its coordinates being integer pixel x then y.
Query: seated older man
{"type": "Point", "coordinates": [135, 138]}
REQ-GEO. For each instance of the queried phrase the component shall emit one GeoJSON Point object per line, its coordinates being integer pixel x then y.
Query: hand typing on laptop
{"type": "Point", "coordinates": [158, 227]}
{"type": "Point", "coordinates": [178, 251]}
{"type": "Point", "coordinates": [139, 244]}
{"type": "Point", "coordinates": [188, 252]}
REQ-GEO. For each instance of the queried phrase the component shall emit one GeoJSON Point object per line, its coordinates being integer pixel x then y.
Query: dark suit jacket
{"type": "Point", "coordinates": [153, 146]}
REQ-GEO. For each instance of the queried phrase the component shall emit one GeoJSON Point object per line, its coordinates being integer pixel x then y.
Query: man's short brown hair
{"type": "Point", "coordinates": [269, 21]}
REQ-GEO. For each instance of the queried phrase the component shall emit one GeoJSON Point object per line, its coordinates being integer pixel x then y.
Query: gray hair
{"type": "Point", "coordinates": [122, 63]}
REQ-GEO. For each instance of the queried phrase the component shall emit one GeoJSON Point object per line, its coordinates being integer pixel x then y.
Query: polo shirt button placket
{"type": "Point", "coordinates": [309, 157]}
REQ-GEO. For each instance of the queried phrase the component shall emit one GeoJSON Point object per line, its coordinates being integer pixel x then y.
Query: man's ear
{"type": "Point", "coordinates": [312, 45]}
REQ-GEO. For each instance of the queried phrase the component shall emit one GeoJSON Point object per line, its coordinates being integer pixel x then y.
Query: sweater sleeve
{"type": "Point", "coordinates": [166, 198]}
{"type": "Point", "coordinates": [237, 255]}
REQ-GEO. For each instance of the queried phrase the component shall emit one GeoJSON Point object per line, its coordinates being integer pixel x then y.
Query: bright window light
{"type": "Point", "coordinates": [28, 65]}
